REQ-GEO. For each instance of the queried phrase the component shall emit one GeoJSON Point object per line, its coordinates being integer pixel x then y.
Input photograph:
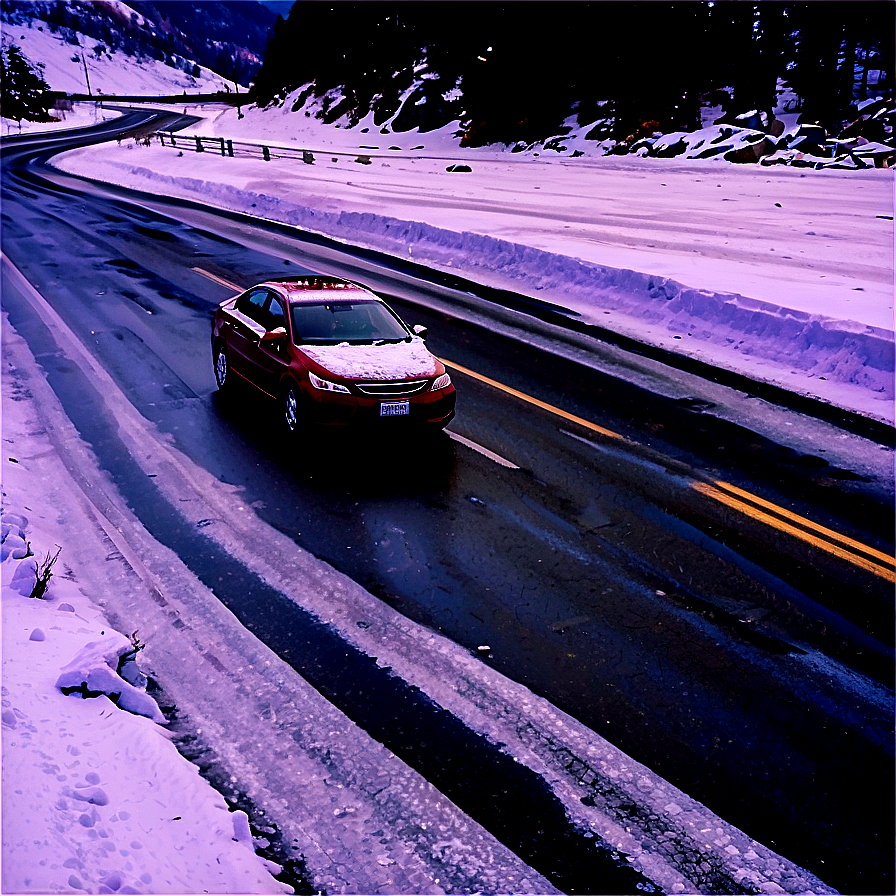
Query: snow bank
{"type": "Point", "coordinates": [81, 116]}
{"type": "Point", "coordinates": [96, 799]}
{"type": "Point", "coordinates": [94, 671]}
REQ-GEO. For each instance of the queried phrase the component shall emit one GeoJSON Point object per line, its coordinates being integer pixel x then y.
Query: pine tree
{"type": "Point", "coordinates": [22, 87]}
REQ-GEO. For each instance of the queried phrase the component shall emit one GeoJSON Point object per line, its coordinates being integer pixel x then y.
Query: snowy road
{"type": "Point", "coordinates": [702, 642]}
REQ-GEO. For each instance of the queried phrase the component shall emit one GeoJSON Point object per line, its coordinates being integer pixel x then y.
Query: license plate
{"type": "Point", "coordinates": [395, 409]}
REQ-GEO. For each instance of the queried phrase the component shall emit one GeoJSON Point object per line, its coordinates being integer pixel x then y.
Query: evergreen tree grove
{"type": "Point", "coordinates": [521, 71]}
{"type": "Point", "coordinates": [22, 87]}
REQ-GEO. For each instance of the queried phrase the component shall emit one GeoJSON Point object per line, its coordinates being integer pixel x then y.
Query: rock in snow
{"type": "Point", "coordinates": [94, 671]}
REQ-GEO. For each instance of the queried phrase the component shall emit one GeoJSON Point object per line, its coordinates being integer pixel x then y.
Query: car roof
{"type": "Point", "coordinates": [317, 289]}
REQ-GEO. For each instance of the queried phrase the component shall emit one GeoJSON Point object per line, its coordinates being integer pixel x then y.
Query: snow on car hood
{"type": "Point", "coordinates": [375, 362]}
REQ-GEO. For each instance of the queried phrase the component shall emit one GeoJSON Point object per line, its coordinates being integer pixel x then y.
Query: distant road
{"type": "Point", "coordinates": [714, 603]}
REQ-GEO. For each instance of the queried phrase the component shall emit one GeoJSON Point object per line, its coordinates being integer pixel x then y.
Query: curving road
{"type": "Point", "coordinates": [658, 558]}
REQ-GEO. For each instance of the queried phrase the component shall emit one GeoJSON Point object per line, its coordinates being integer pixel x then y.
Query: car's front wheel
{"type": "Point", "coordinates": [290, 409]}
{"type": "Point", "coordinates": [222, 367]}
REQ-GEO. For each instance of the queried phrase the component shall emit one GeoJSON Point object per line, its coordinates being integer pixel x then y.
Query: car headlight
{"type": "Point", "coordinates": [326, 385]}
{"type": "Point", "coordinates": [441, 382]}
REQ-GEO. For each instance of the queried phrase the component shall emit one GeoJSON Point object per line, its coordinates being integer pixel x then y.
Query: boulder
{"type": "Point", "coordinates": [872, 106]}
{"type": "Point", "coordinates": [752, 152]}
{"type": "Point", "coordinates": [807, 145]}
{"type": "Point", "coordinates": [712, 151]}
{"type": "Point", "coordinates": [811, 131]}
{"type": "Point", "coordinates": [669, 149]}
{"type": "Point", "coordinates": [753, 120]}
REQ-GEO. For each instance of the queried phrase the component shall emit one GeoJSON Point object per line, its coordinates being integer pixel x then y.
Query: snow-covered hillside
{"type": "Point", "coordinates": [63, 68]}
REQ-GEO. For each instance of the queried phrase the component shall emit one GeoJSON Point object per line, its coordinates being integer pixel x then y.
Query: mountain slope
{"type": "Point", "coordinates": [228, 38]}
{"type": "Point", "coordinates": [526, 72]}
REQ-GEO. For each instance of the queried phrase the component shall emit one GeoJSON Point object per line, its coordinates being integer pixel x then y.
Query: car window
{"type": "Point", "coordinates": [253, 304]}
{"type": "Point", "coordinates": [358, 322]}
{"type": "Point", "coordinates": [275, 315]}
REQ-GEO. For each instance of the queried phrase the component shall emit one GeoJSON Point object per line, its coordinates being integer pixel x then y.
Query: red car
{"type": "Point", "coordinates": [330, 351]}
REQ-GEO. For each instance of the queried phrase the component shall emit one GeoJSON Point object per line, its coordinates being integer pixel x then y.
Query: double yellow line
{"type": "Point", "coordinates": [744, 502]}
{"type": "Point", "coordinates": [784, 520]}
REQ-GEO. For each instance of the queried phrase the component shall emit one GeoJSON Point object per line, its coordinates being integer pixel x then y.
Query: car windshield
{"type": "Point", "coordinates": [330, 323]}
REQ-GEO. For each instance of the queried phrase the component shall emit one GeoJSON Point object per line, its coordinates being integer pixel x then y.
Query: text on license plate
{"type": "Point", "coordinates": [395, 408]}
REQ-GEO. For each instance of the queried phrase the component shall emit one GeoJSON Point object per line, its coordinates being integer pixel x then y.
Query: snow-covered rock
{"type": "Point", "coordinates": [94, 671]}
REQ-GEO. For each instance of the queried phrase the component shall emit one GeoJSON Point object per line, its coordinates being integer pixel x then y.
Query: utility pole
{"type": "Point", "coordinates": [84, 63]}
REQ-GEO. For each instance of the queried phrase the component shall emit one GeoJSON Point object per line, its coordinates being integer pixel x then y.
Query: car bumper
{"type": "Point", "coordinates": [431, 409]}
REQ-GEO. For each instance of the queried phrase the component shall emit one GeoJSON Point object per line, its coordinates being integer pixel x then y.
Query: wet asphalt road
{"type": "Point", "coordinates": [751, 670]}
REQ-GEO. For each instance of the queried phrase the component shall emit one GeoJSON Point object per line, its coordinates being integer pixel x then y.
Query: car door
{"type": "Point", "coordinates": [269, 359]}
{"type": "Point", "coordinates": [246, 329]}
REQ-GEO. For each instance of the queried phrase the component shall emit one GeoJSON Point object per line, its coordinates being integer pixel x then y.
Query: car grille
{"type": "Point", "coordinates": [393, 389]}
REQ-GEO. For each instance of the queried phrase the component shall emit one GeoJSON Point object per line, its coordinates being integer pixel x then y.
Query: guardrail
{"type": "Point", "coordinates": [232, 148]}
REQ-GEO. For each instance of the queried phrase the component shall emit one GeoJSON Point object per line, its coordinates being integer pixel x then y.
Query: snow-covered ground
{"type": "Point", "coordinates": [783, 273]}
{"type": "Point", "coordinates": [95, 798]}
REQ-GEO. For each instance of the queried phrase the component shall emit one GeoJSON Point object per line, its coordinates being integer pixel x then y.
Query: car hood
{"type": "Point", "coordinates": [375, 362]}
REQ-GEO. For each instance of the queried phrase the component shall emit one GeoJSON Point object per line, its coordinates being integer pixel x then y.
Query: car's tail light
{"type": "Point", "coordinates": [440, 382]}
{"type": "Point", "coordinates": [326, 385]}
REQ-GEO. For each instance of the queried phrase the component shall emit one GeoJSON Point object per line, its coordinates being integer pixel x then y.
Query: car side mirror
{"type": "Point", "coordinates": [274, 335]}
{"type": "Point", "coordinates": [420, 331]}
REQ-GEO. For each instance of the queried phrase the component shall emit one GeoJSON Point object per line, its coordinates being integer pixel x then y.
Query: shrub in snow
{"type": "Point", "coordinates": [43, 573]}
{"type": "Point", "coordinates": [127, 664]}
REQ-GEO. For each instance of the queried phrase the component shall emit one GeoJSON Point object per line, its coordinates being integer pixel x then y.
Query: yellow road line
{"type": "Point", "coordinates": [216, 279]}
{"type": "Point", "coordinates": [762, 517]}
{"type": "Point", "coordinates": [821, 530]}
{"type": "Point", "coordinates": [535, 401]}
{"type": "Point", "coordinates": [804, 529]}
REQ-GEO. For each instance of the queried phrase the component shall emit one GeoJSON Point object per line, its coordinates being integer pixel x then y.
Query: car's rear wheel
{"type": "Point", "coordinates": [222, 367]}
{"type": "Point", "coordinates": [290, 409]}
